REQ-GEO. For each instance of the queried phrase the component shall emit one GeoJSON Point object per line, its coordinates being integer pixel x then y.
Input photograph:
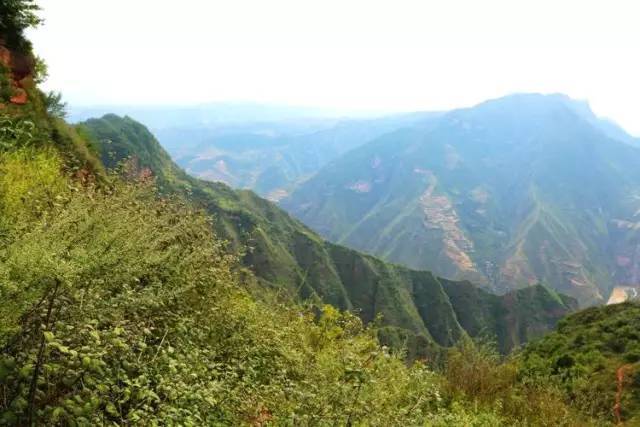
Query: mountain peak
{"type": "Point", "coordinates": [537, 102]}
{"type": "Point", "coordinates": [534, 106]}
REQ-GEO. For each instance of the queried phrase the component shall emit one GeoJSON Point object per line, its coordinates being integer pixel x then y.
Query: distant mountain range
{"type": "Point", "coordinates": [268, 149]}
{"type": "Point", "coordinates": [210, 116]}
{"type": "Point", "coordinates": [419, 310]}
{"type": "Point", "coordinates": [514, 191]}
{"type": "Point", "coordinates": [519, 190]}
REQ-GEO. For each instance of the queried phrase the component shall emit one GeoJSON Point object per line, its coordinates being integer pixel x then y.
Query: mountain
{"type": "Point", "coordinates": [209, 116]}
{"type": "Point", "coordinates": [512, 192]}
{"type": "Point", "coordinates": [606, 126]}
{"type": "Point", "coordinates": [285, 254]}
{"type": "Point", "coordinates": [268, 149]}
{"type": "Point", "coordinates": [122, 306]}
{"type": "Point", "coordinates": [272, 158]}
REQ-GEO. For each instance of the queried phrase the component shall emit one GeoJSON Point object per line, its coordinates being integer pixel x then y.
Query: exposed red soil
{"type": "Point", "coordinates": [21, 66]}
{"type": "Point", "coordinates": [20, 96]}
{"type": "Point", "coordinates": [617, 408]}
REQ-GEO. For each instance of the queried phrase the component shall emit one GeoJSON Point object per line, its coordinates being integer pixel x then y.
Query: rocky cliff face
{"type": "Point", "coordinates": [16, 74]}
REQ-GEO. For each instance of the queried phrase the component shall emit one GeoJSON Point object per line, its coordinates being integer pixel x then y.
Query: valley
{"type": "Point", "coordinates": [472, 194]}
{"type": "Point", "coordinates": [496, 196]}
{"type": "Point", "coordinates": [416, 308]}
{"type": "Point", "coordinates": [183, 261]}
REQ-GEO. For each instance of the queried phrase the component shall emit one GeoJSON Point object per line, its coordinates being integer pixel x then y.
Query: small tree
{"type": "Point", "coordinates": [54, 104]}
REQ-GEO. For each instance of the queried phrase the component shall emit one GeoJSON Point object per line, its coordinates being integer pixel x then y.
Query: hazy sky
{"type": "Point", "coordinates": [343, 54]}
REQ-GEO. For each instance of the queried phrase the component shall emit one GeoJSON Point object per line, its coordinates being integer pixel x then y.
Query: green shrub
{"type": "Point", "coordinates": [477, 377]}
{"type": "Point", "coordinates": [124, 308]}
{"type": "Point", "coordinates": [16, 133]}
{"type": "Point", "coordinates": [31, 183]}
{"type": "Point", "coordinates": [584, 357]}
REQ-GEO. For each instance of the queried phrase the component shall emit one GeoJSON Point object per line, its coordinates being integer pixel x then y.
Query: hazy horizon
{"type": "Point", "coordinates": [355, 57]}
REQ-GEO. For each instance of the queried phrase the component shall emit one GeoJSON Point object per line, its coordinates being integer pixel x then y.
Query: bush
{"type": "Point", "coordinates": [474, 369]}
{"type": "Point", "coordinates": [16, 133]}
{"type": "Point", "coordinates": [475, 375]}
{"type": "Point", "coordinates": [40, 71]}
{"type": "Point", "coordinates": [122, 307]}
{"type": "Point", "coordinates": [31, 183]}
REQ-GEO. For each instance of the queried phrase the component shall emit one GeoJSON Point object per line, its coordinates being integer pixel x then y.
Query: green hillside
{"type": "Point", "coordinates": [594, 356]}
{"type": "Point", "coordinates": [120, 304]}
{"type": "Point", "coordinates": [284, 254]}
{"type": "Point", "coordinates": [120, 308]}
{"type": "Point", "coordinates": [267, 149]}
{"type": "Point", "coordinates": [512, 192]}
{"type": "Point", "coordinates": [123, 308]}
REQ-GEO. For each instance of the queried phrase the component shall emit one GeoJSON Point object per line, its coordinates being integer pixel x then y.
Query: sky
{"type": "Point", "coordinates": [343, 55]}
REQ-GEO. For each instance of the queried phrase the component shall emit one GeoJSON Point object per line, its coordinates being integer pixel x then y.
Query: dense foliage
{"type": "Point", "coordinates": [594, 357]}
{"type": "Point", "coordinates": [123, 308]}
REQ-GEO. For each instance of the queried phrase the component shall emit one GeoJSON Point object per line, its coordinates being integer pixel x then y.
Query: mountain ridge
{"type": "Point", "coordinates": [511, 192]}
{"type": "Point", "coordinates": [285, 254]}
{"type": "Point", "coordinates": [122, 305]}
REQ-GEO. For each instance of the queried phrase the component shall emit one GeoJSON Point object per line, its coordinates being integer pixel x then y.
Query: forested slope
{"type": "Point", "coordinates": [122, 305]}
{"type": "Point", "coordinates": [284, 254]}
{"type": "Point", "coordinates": [514, 191]}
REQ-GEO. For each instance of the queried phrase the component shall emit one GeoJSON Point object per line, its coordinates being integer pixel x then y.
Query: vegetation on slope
{"type": "Point", "coordinates": [121, 306]}
{"type": "Point", "coordinates": [284, 254]}
{"type": "Point", "coordinates": [512, 192]}
{"type": "Point", "coordinates": [594, 355]}
{"type": "Point", "coordinates": [516, 317]}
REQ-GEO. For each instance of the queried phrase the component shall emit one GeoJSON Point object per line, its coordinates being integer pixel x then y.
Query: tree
{"type": "Point", "coordinates": [15, 17]}
{"type": "Point", "coordinates": [54, 104]}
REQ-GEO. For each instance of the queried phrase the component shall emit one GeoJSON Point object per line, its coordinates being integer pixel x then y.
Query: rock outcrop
{"type": "Point", "coordinates": [19, 70]}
